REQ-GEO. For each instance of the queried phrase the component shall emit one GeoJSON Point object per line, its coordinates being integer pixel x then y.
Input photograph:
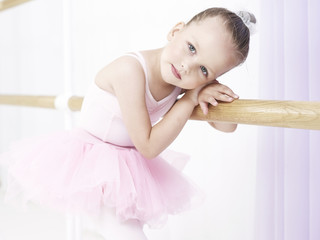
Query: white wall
{"type": "Point", "coordinates": [31, 62]}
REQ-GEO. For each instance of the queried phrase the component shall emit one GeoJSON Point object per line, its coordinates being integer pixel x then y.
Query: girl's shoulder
{"type": "Point", "coordinates": [124, 70]}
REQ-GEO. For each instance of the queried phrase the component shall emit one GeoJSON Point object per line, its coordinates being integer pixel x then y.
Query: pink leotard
{"type": "Point", "coordinates": [101, 115]}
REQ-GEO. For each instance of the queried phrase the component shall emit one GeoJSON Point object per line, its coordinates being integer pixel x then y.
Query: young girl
{"type": "Point", "coordinates": [110, 167]}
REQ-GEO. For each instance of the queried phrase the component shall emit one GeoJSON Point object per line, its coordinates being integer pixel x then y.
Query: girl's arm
{"type": "Point", "coordinates": [128, 85]}
{"type": "Point", "coordinates": [209, 95]}
{"type": "Point", "coordinates": [224, 127]}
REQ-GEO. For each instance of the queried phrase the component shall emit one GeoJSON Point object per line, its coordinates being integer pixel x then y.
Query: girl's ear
{"type": "Point", "coordinates": [175, 29]}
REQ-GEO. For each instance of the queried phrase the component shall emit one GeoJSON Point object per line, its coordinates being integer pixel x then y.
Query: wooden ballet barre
{"type": "Point", "coordinates": [73, 103]}
{"type": "Point", "coordinates": [5, 4]}
{"type": "Point", "coordinates": [288, 114]}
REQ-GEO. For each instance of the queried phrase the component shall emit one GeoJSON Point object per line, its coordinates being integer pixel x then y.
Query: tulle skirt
{"type": "Point", "coordinates": [76, 172]}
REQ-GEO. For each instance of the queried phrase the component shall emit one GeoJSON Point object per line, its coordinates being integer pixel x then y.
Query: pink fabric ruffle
{"type": "Point", "coordinates": [75, 171]}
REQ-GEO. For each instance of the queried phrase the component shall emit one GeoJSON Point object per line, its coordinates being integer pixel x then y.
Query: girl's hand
{"type": "Point", "coordinates": [215, 92]}
{"type": "Point", "coordinates": [193, 95]}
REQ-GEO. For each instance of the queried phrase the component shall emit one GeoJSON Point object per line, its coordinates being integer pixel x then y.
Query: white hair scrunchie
{"type": "Point", "coordinates": [249, 20]}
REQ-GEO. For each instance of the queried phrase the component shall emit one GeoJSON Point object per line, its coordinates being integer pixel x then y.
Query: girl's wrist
{"type": "Point", "coordinates": [187, 97]}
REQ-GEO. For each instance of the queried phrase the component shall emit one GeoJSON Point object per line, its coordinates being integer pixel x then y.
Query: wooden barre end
{"type": "Point", "coordinates": [290, 114]}
{"type": "Point", "coordinates": [11, 3]}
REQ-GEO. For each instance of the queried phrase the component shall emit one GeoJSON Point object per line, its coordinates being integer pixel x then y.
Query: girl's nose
{"type": "Point", "coordinates": [185, 67]}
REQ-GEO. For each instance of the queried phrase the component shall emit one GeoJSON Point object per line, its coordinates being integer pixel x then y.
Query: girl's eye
{"type": "Point", "coordinates": [192, 48]}
{"type": "Point", "coordinates": [204, 70]}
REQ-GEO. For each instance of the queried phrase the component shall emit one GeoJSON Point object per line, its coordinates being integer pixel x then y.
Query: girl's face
{"type": "Point", "coordinates": [197, 54]}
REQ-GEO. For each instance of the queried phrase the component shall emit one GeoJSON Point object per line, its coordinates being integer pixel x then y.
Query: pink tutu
{"type": "Point", "coordinates": [75, 171]}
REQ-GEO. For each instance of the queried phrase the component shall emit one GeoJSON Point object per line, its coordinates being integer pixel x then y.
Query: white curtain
{"type": "Point", "coordinates": [288, 163]}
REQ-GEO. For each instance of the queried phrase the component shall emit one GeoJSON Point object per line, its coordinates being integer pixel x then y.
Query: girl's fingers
{"type": "Point", "coordinates": [212, 98]}
{"type": "Point", "coordinates": [224, 98]}
{"type": "Point", "coordinates": [204, 107]}
{"type": "Point", "coordinates": [212, 101]}
{"type": "Point", "coordinates": [206, 98]}
{"type": "Point", "coordinates": [216, 88]}
{"type": "Point", "coordinates": [215, 92]}
{"type": "Point", "coordinates": [227, 91]}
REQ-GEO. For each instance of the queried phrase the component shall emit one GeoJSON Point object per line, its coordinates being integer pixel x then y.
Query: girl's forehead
{"type": "Point", "coordinates": [210, 32]}
{"type": "Point", "coordinates": [208, 25]}
{"type": "Point", "coordinates": [213, 43]}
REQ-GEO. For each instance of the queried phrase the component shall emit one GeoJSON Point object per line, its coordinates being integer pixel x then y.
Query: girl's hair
{"type": "Point", "coordinates": [239, 30]}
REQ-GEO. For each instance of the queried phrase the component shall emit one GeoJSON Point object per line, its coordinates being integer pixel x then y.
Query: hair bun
{"type": "Point", "coordinates": [249, 20]}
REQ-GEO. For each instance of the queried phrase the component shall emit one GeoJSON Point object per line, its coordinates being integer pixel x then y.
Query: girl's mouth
{"type": "Point", "coordinates": [175, 72]}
